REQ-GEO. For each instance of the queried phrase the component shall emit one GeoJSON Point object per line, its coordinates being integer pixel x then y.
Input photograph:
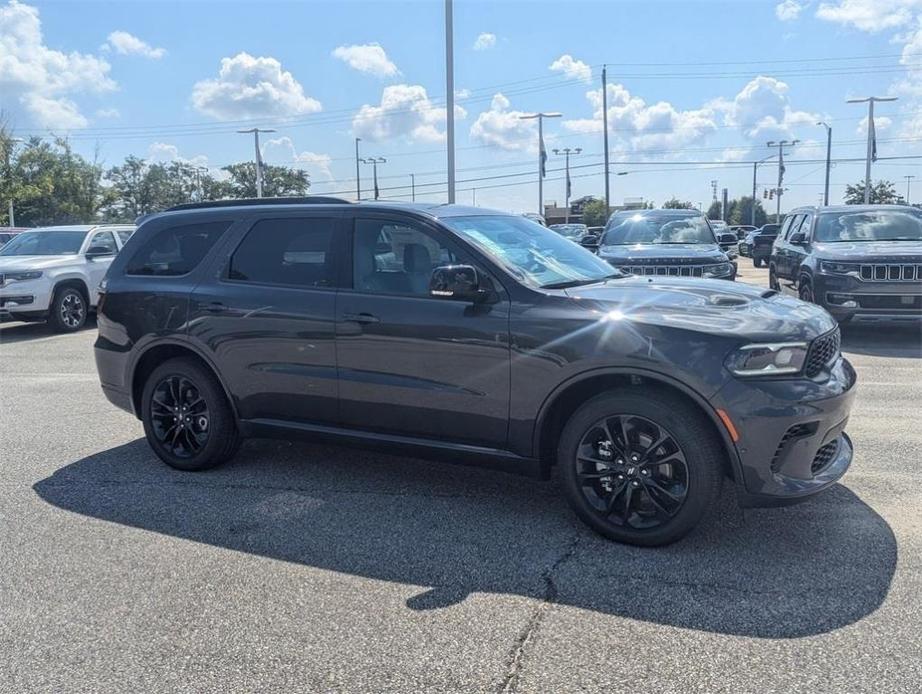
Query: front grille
{"type": "Point", "coordinates": [795, 432]}
{"type": "Point", "coordinates": [890, 272]}
{"type": "Point", "coordinates": [823, 351]}
{"type": "Point", "coordinates": [671, 270]}
{"type": "Point", "coordinates": [824, 456]}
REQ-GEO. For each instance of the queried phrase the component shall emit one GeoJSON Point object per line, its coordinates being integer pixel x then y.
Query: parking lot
{"type": "Point", "coordinates": [307, 567]}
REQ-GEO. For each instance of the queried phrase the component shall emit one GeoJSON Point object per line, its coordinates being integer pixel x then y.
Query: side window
{"type": "Point", "coordinates": [124, 235]}
{"type": "Point", "coordinates": [391, 258]}
{"type": "Point", "coordinates": [287, 251]}
{"type": "Point", "coordinates": [794, 226]}
{"type": "Point", "coordinates": [785, 226]}
{"type": "Point", "coordinates": [806, 224]}
{"type": "Point", "coordinates": [103, 240]}
{"type": "Point", "coordinates": [177, 250]}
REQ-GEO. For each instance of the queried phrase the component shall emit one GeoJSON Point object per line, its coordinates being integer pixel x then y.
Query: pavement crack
{"type": "Point", "coordinates": [516, 659]}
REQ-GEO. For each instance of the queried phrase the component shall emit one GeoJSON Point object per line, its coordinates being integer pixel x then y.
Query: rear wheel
{"type": "Point", "coordinates": [68, 310]}
{"type": "Point", "coordinates": [640, 468]}
{"type": "Point", "coordinates": [187, 419]}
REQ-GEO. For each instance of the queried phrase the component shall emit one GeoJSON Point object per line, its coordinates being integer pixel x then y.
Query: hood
{"type": "Point", "coordinates": [730, 309]}
{"type": "Point", "coordinates": [10, 263]}
{"type": "Point", "coordinates": [640, 253]}
{"type": "Point", "coordinates": [870, 251]}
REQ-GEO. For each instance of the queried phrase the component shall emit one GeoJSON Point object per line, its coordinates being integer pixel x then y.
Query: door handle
{"type": "Point", "coordinates": [361, 318]}
{"type": "Point", "coordinates": [215, 307]}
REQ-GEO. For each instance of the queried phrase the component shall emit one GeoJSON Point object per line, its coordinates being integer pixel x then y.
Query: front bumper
{"type": "Point", "coordinates": [847, 297]}
{"type": "Point", "coordinates": [29, 296]}
{"type": "Point", "coordinates": [792, 442]}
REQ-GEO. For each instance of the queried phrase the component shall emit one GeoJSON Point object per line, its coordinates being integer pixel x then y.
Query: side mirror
{"type": "Point", "coordinates": [590, 241]}
{"type": "Point", "coordinates": [726, 239]}
{"type": "Point", "coordinates": [458, 282]}
{"type": "Point", "coordinates": [798, 238]}
{"type": "Point", "coordinates": [98, 251]}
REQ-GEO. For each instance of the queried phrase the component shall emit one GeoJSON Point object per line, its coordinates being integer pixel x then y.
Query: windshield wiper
{"type": "Point", "coordinates": [566, 284]}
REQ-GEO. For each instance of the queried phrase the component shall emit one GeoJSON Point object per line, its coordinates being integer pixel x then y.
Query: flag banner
{"type": "Point", "coordinates": [543, 158]}
{"type": "Point", "coordinates": [873, 136]}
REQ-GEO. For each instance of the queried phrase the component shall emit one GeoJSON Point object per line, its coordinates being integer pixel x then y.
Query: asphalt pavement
{"type": "Point", "coordinates": [301, 567]}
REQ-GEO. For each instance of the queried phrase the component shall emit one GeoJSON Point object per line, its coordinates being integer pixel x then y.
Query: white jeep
{"type": "Point", "coordinates": [54, 273]}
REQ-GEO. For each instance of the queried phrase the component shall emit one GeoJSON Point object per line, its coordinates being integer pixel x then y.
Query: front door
{"type": "Point", "coordinates": [97, 266]}
{"type": "Point", "coordinates": [782, 255]}
{"type": "Point", "coordinates": [268, 321]}
{"type": "Point", "coordinates": [411, 364]}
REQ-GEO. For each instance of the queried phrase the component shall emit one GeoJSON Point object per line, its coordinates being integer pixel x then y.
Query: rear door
{"type": "Point", "coordinates": [97, 266]}
{"type": "Point", "coordinates": [266, 318]}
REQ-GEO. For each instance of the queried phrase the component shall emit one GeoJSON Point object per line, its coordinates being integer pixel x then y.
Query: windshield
{"type": "Point", "coordinates": [571, 231]}
{"type": "Point", "coordinates": [659, 229]}
{"type": "Point", "coordinates": [44, 243]}
{"type": "Point", "coordinates": [532, 253]}
{"type": "Point", "coordinates": [870, 225]}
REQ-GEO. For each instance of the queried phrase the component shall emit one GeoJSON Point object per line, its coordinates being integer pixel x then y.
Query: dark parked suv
{"type": "Point", "coordinates": [471, 335]}
{"type": "Point", "coordinates": [677, 243]}
{"type": "Point", "coordinates": [853, 260]}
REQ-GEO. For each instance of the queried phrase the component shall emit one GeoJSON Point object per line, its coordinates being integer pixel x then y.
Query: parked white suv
{"type": "Point", "coordinates": [54, 273]}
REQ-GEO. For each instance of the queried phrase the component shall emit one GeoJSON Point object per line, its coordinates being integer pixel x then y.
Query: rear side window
{"type": "Point", "coordinates": [103, 242]}
{"type": "Point", "coordinates": [177, 250]}
{"type": "Point", "coordinates": [124, 235]}
{"type": "Point", "coordinates": [286, 251]}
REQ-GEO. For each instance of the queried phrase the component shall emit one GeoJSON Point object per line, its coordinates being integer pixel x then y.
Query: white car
{"type": "Point", "coordinates": [54, 273]}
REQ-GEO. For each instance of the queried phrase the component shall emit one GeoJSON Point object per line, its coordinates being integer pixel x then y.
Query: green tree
{"type": "Point", "coordinates": [714, 210]}
{"type": "Point", "coordinates": [139, 187]}
{"type": "Point", "coordinates": [676, 204]}
{"type": "Point", "coordinates": [594, 213]}
{"type": "Point", "coordinates": [278, 181]}
{"type": "Point", "coordinates": [882, 193]}
{"type": "Point", "coordinates": [741, 212]}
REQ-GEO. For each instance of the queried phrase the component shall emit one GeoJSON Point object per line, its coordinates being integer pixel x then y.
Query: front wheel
{"type": "Point", "coordinates": [757, 262]}
{"type": "Point", "coordinates": [68, 310]}
{"type": "Point", "coordinates": [187, 419]}
{"type": "Point", "coordinates": [640, 468]}
{"type": "Point", "coordinates": [773, 279]}
{"type": "Point", "coordinates": [805, 292]}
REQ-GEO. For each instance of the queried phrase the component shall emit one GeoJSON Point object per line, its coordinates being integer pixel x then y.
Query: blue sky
{"type": "Point", "coordinates": [695, 89]}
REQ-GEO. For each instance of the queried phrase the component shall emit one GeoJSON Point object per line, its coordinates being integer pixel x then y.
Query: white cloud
{"type": "Point", "coordinates": [502, 127]}
{"type": "Point", "coordinates": [282, 151]}
{"type": "Point", "coordinates": [251, 87]}
{"type": "Point", "coordinates": [643, 127]}
{"type": "Point", "coordinates": [164, 153]}
{"type": "Point", "coordinates": [789, 10]}
{"type": "Point", "coordinates": [369, 58]}
{"type": "Point", "coordinates": [108, 113]}
{"type": "Point", "coordinates": [762, 111]}
{"type": "Point", "coordinates": [869, 15]}
{"type": "Point", "coordinates": [572, 68]}
{"type": "Point", "coordinates": [405, 111]}
{"type": "Point", "coordinates": [880, 123]}
{"type": "Point", "coordinates": [126, 44]}
{"type": "Point", "coordinates": [35, 79]}
{"type": "Point", "coordinates": [484, 41]}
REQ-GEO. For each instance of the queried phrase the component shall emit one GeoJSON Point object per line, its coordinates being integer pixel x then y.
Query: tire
{"type": "Point", "coordinates": [68, 310]}
{"type": "Point", "coordinates": [805, 291]}
{"type": "Point", "coordinates": [644, 415]}
{"type": "Point", "coordinates": [208, 436]}
{"type": "Point", "coordinates": [757, 262]}
{"type": "Point", "coordinates": [773, 279]}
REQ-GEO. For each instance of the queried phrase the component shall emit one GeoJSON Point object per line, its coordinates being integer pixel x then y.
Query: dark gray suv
{"type": "Point", "coordinates": [472, 335]}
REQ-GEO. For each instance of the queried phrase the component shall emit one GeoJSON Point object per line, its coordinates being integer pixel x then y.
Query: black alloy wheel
{"type": "Point", "coordinates": [632, 471]}
{"type": "Point", "coordinates": [179, 416]}
{"type": "Point", "coordinates": [805, 292]}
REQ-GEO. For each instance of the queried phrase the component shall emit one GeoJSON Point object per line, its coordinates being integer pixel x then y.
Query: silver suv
{"type": "Point", "coordinates": [54, 273]}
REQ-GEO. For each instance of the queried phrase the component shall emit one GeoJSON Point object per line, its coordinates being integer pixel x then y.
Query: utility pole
{"type": "Point", "coordinates": [450, 91]}
{"type": "Point", "coordinates": [374, 161]}
{"type": "Point", "coordinates": [566, 151]}
{"type": "Point", "coordinates": [828, 160]}
{"type": "Point", "coordinates": [908, 184]}
{"type": "Point", "coordinates": [413, 187]}
{"type": "Point", "coordinates": [605, 137]}
{"type": "Point", "coordinates": [779, 190]}
{"type": "Point", "coordinates": [474, 196]}
{"type": "Point", "coordinates": [755, 167]}
{"type": "Point", "coordinates": [358, 174]}
{"type": "Point", "coordinates": [259, 158]}
{"type": "Point", "coordinates": [199, 170]}
{"type": "Point", "coordinates": [9, 155]}
{"type": "Point", "coordinates": [542, 153]}
{"type": "Point", "coordinates": [872, 140]}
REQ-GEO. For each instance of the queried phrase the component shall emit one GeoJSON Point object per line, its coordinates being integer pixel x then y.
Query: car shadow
{"type": "Point", "coordinates": [883, 340]}
{"type": "Point", "coordinates": [453, 531]}
{"type": "Point", "coordinates": [11, 332]}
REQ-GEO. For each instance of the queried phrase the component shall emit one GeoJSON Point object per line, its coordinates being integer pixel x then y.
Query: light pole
{"type": "Point", "coordinates": [908, 184]}
{"type": "Point", "coordinates": [259, 158]}
{"type": "Point", "coordinates": [9, 153]}
{"type": "Point", "coordinates": [605, 136]}
{"type": "Point", "coordinates": [199, 170]}
{"type": "Point", "coordinates": [872, 140]}
{"type": "Point", "coordinates": [413, 187]}
{"type": "Point", "coordinates": [566, 151]}
{"type": "Point", "coordinates": [542, 153]}
{"type": "Point", "coordinates": [779, 190]}
{"type": "Point", "coordinates": [358, 174]}
{"type": "Point", "coordinates": [755, 166]}
{"type": "Point", "coordinates": [450, 105]}
{"type": "Point", "coordinates": [828, 160]}
{"type": "Point", "coordinates": [374, 161]}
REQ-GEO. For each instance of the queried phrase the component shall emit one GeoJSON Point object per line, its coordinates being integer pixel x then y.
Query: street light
{"type": "Point", "coordinates": [9, 152]}
{"type": "Point", "coordinates": [908, 178]}
{"type": "Point", "coordinates": [755, 167]}
{"type": "Point", "coordinates": [374, 161]}
{"type": "Point", "coordinates": [542, 153]}
{"type": "Point", "coordinates": [259, 158]}
{"type": "Point", "coordinates": [828, 160]}
{"type": "Point", "coordinates": [872, 140]}
{"type": "Point", "coordinates": [779, 190]}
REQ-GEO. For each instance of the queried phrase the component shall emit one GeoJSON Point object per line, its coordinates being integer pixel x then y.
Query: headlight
{"type": "Point", "coordinates": [772, 359]}
{"type": "Point", "coordinates": [719, 270]}
{"type": "Point", "coordinates": [31, 275]}
{"type": "Point", "coordinates": [834, 268]}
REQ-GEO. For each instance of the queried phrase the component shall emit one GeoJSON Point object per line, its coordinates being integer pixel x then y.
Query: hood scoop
{"type": "Point", "coordinates": [727, 300]}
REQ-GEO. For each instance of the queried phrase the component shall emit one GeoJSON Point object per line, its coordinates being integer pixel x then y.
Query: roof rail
{"type": "Point", "coordinates": [246, 202]}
